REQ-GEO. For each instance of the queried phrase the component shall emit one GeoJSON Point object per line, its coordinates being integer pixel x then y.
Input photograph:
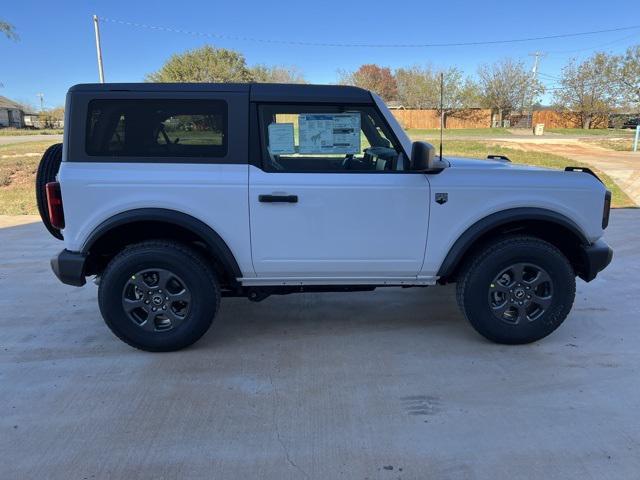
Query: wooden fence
{"type": "Point", "coordinates": [470, 118]}
{"type": "Point", "coordinates": [553, 119]}
{"type": "Point", "coordinates": [475, 118]}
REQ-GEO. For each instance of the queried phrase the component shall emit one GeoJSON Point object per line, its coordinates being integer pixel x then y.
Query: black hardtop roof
{"type": "Point", "coordinates": [262, 92]}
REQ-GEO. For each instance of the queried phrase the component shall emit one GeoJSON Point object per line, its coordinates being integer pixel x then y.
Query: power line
{"type": "Point", "coordinates": [546, 75]}
{"type": "Point", "coordinates": [584, 85]}
{"type": "Point", "coordinates": [363, 45]}
{"type": "Point", "coordinates": [612, 42]}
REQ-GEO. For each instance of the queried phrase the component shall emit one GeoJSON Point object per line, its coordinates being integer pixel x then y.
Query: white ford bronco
{"type": "Point", "coordinates": [175, 195]}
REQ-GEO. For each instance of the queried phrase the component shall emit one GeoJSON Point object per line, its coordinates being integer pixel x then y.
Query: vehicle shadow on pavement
{"type": "Point", "coordinates": [337, 314]}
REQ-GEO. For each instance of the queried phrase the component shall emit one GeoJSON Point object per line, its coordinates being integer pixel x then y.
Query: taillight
{"type": "Point", "coordinates": [606, 210]}
{"type": "Point", "coordinates": [54, 202]}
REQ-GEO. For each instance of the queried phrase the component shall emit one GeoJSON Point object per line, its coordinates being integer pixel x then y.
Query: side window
{"type": "Point", "coordinates": [191, 130]}
{"type": "Point", "coordinates": [157, 128]}
{"type": "Point", "coordinates": [116, 142]}
{"type": "Point", "coordinates": [326, 139]}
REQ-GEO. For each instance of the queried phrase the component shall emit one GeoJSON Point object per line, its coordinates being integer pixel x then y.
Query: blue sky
{"type": "Point", "coordinates": [56, 47]}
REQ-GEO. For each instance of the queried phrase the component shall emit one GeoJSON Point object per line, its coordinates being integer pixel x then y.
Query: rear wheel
{"type": "Point", "coordinates": [47, 171]}
{"type": "Point", "coordinates": [517, 290]}
{"type": "Point", "coordinates": [158, 296]}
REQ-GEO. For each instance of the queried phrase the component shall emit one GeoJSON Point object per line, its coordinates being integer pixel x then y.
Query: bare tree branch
{"type": "Point", "coordinates": [9, 31]}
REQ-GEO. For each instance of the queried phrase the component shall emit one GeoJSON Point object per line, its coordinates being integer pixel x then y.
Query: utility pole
{"type": "Point", "coordinates": [537, 56]}
{"type": "Point", "coordinates": [41, 97]}
{"type": "Point", "coordinates": [534, 76]}
{"type": "Point", "coordinates": [96, 27]}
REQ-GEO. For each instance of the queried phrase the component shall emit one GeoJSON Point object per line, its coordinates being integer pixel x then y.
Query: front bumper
{"type": "Point", "coordinates": [69, 267]}
{"type": "Point", "coordinates": [595, 258]}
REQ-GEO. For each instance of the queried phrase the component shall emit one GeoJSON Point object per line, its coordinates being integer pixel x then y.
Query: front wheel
{"type": "Point", "coordinates": [517, 290]}
{"type": "Point", "coordinates": [158, 296]}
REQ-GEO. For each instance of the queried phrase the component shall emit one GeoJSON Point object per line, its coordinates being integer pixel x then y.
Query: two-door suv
{"type": "Point", "coordinates": [175, 195]}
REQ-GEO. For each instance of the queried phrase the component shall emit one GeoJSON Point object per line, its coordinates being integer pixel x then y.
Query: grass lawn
{"type": "Point", "coordinates": [596, 132]}
{"type": "Point", "coordinates": [464, 148]}
{"type": "Point", "coordinates": [18, 164]}
{"type": "Point", "coordinates": [6, 132]}
{"type": "Point", "coordinates": [414, 133]}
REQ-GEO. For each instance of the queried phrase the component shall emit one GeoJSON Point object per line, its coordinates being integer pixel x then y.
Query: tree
{"type": "Point", "coordinates": [588, 88]}
{"type": "Point", "coordinates": [276, 74]}
{"type": "Point", "coordinates": [419, 87]}
{"type": "Point", "coordinates": [9, 30]}
{"type": "Point", "coordinates": [628, 76]}
{"type": "Point", "coordinates": [506, 85]}
{"type": "Point", "coordinates": [210, 64]}
{"type": "Point", "coordinates": [375, 78]}
{"type": "Point", "coordinates": [204, 64]}
{"type": "Point", "coordinates": [51, 118]}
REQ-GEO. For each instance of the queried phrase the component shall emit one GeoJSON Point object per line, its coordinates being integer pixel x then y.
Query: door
{"type": "Point", "coordinates": [331, 200]}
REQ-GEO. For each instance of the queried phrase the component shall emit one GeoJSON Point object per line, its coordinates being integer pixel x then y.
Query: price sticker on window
{"type": "Point", "coordinates": [281, 138]}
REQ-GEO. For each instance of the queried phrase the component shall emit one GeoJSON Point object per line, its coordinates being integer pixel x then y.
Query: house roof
{"type": "Point", "coordinates": [7, 103]}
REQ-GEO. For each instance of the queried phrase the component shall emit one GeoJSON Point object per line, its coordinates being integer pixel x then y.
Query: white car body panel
{"type": "Point", "coordinates": [479, 188]}
{"type": "Point", "coordinates": [344, 224]}
{"type": "Point", "coordinates": [347, 228]}
{"type": "Point", "coordinates": [216, 194]}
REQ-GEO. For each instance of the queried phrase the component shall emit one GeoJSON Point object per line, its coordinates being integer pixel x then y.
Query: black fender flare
{"type": "Point", "coordinates": [208, 235]}
{"type": "Point", "coordinates": [496, 220]}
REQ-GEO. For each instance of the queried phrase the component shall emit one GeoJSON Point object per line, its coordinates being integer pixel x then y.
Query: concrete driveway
{"type": "Point", "coordinates": [391, 384]}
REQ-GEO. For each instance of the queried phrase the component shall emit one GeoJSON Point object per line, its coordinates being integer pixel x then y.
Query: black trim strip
{"type": "Point", "coordinates": [199, 228]}
{"type": "Point", "coordinates": [495, 220]}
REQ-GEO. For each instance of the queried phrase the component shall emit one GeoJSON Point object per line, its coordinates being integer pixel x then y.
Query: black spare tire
{"type": "Point", "coordinates": [47, 171]}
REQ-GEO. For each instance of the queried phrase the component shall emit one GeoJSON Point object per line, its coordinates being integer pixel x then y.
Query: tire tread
{"type": "Point", "coordinates": [47, 170]}
{"type": "Point", "coordinates": [473, 265]}
{"type": "Point", "coordinates": [199, 261]}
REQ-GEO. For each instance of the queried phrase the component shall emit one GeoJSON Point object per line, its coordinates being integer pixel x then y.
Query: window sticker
{"type": "Point", "coordinates": [329, 132]}
{"type": "Point", "coordinates": [281, 138]}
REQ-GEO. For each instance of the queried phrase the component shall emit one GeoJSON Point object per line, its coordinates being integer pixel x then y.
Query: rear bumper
{"type": "Point", "coordinates": [595, 258]}
{"type": "Point", "coordinates": [69, 267]}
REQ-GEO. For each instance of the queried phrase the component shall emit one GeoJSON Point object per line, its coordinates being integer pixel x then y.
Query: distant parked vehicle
{"type": "Point", "coordinates": [631, 123]}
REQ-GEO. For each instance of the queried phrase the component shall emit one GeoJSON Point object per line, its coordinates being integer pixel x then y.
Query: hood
{"type": "Point", "coordinates": [483, 164]}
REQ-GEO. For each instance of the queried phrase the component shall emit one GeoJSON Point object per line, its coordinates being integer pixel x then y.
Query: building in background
{"type": "Point", "coordinates": [14, 115]}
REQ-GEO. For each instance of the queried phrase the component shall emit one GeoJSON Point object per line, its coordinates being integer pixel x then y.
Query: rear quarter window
{"type": "Point", "coordinates": [157, 128]}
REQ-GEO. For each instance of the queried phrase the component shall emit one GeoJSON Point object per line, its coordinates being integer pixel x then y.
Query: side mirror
{"type": "Point", "coordinates": [423, 157]}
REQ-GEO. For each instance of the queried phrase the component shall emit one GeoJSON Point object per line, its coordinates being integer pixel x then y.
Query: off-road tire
{"type": "Point", "coordinates": [177, 258]}
{"type": "Point", "coordinates": [47, 171]}
{"type": "Point", "coordinates": [475, 281]}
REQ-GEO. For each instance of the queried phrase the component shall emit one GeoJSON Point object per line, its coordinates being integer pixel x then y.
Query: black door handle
{"type": "Point", "coordinates": [278, 198]}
